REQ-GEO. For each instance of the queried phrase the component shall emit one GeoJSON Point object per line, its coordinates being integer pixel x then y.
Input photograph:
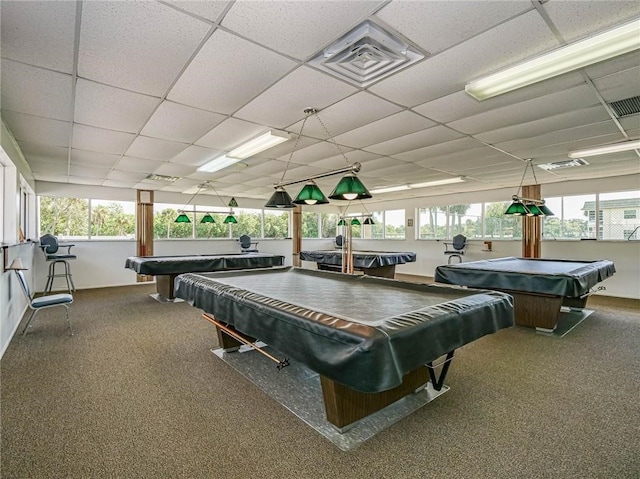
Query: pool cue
{"type": "Point", "coordinates": [281, 363]}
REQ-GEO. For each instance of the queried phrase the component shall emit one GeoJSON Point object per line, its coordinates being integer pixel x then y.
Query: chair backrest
{"type": "Point", "coordinates": [245, 241]}
{"type": "Point", "coordinates": [339, 240]}
{"type": "Point", "coordinates": [51, 243]}
{"type": "Point", "coordinates": [459, 242]}
{"type": "Point", "coordinates": [23, 283]}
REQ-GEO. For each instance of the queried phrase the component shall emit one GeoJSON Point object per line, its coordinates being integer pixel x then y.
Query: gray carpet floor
{"type": "Point", "coordinates": [136, 393]}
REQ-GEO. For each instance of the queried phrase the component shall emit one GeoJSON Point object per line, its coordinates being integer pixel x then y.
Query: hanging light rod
{"type": "Point", "coordinates": [355, 168]}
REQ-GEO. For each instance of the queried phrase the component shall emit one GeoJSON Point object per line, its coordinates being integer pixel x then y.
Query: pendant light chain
{"type": "Point", "coordinates": [330, 138]}
{"type": "Point", "coordinates": [295, 145]}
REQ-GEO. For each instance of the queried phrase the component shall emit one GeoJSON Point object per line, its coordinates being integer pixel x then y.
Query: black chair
{"type": "Point", "coordinates": [248, 246]}
{"type": "Point", "coordinates": [339, 241]}
{"type": "Point", "coordinates": [456, 248]}
{"type": "Point", "coordinates": [36, 304]}
{"type": "Point", "coordinates": [50, 248]}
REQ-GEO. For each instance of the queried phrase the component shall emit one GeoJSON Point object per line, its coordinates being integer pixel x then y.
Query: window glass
{"type": "Point", "coordinates": [64, 217]}
{"type": "Point", "coordinates": [164, 225]}
{"type": "Point", "coordinates": [310, 225]}
{"type": "Point", "coordinates": [329, 225]}
{"type": "Point", "coordinates": [466, 220]}
{"type": "Point", "coordinates": [394, 224]}
{"type": "Point", "coordinates": [113, 219]}
{"type": "Point", "coordinates": [276, 224]}
{"type": "Point", "coordinates": [497, 225]}
{"type": "Point", "coordinates": [249, 223]}
{"type": "Point", "coordinates": [219, 229]}
{"type": "Point", "coordinates": [432, 222]}
{"type": "Point", "coordinates": [356, 230]}
{"type": "Point", "coordinates": [571, 220]}
{"type": "Point", "coordinates": [619, 215]}
{"type": "Point", "coordinates": [376, 230]}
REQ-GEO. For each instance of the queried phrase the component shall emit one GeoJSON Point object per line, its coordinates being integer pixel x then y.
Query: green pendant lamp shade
{"type": "Point", "coordinates": [230, 219]}
{"type": "Point", "coordinates": [355, 222]}
{"type": "Point", "coordinates": [182, 218]}
{"type": "Point", "coordinates": [280, 199]}
{"type": "Point", "coordinates": [350, 188]}
{"type": "Point", "coordinates": [342, 222]}
{"type": "Point", "coordinates": [534, 210]}
{"type": "Point", "coordinates": [311, 194]}
{"type": "Point", "coordinates": [546, 211]}
{"type": "Point", "coordinates": [207, 219]}
{"type": "Point", "coordinates": [233, 203]}
{"type": "Point", "coordinates": [517, 208]}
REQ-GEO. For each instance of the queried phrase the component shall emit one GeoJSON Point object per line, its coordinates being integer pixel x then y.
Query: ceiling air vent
{"type": "Point", "coordinates": [168, 179]}
{"type": "Point", "coordinates": [626, 107]}
{"type": "Point", "coordinates": [366, 54]}
{"type": "Point", "coordinates": [563, 164]}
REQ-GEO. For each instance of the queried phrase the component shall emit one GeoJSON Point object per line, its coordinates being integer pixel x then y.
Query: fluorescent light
{"type": "Point", "coordinates": [390, 189]}
{"type": "Point", "coordinates": [448, 181]}
{"type": "Point", "coordinates": [261, 143]}
{"type": "Point", "coordinates": [606, 149]}
{"type": "Point", "coordinates": [597, 48]}
{"type": "Point", "coordinates": [218, 164]}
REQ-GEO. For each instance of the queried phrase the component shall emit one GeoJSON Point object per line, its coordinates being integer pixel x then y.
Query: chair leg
{"type": "Point", "coordinates": [68, 322]}
{"type": "Point", "coordinates": [52, 272]}
{"type": "Point", "coordinates": [67, 274]}
{"type": "Point", "coordinates": [33, 313]}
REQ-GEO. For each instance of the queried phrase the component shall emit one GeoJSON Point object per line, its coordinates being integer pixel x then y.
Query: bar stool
{"type": "Point", "coordinates": [50, 247]}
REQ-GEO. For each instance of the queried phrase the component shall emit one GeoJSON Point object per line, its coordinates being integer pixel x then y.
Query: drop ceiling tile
{"type": "Point", "coordinates": [79, 180]}
{"type": "Point", "coordinates": [543, 126]}
{"type": "Point", "coordinates": [41, 152]}
{"type": "Point", "coordinates": [460, 144]}
{"type": "Point", "coordinates": [348, 114]}
{"type": "Point", "coordinates": [337, 162]}
{"type": "Point", "coordinates": [615, 65]}
{"type": "Point", "coordinates": [111, 108]}
{"type": "Point", "coordinates": [228, 72]}
{"type": "Point", "coordinates": [35, 129]}
{"type": "Point", "coordinates": [436, 26]}
{"type": "Point", "coordinates": [400, 124]}
{"type": "Point", "coordinates": [413, 141]}
{"type": "Point", "coordinates": [293, 27]}
{"type": "Point", "coordinates": [268, 167]}
{"type": "Point", "coordinates": [209, 10]}
{"type": "Point", "coordinates": [196, 156]}
{"type": "Point", "coordinates": [575, 98]}
{"type": "Point", "coordinates": [465, 162]}
{"type": "Point", "coordinates": [576, 19]}
{"type": "Point", "coordinates": [154, 148]}
{"type": "Point", "coordinates": [88, 171]}
{"type": "Point", "coordinates": [128, 163]}
{"type": "Point", "coordinates": [46, 167]}
{"type": "Point", "coordinates": [619, 86]}
{"type": "Point", "coordinates": [138, 46]}
{"type": "Point", "coordinates": [313, 153]}
{"type": "Point", "coordinates": [39, 33]}
{"type": "Point", "coordinates": [521, 38]}
{"type": "Point", "coordinates": [34, 91]}
{"type": "Point", "coordinates": [319, 91]}
{"type": "Point", "coordinates": [631, 123]}
{"type": "Point", "coordinates": [173, 169]}
{"type": "Point", "coordinates": [542, 153]}
{"type": "Point", "coordinates": [100, 139]}
{"type": "Point", "coordinates": [180, 123]}
{"type": "Point", "coordinates": [119, 184]}
{"type": "Point", "coordinates": [461, 105]}
{"type": "Point", "coordinates": [51, 177]}
{"type": "Point", "coordinates": [132, 176]}
{"type": "Point", "coordinates": [230, 133]}
{"type": "Point", "coordinates": [92, 158]}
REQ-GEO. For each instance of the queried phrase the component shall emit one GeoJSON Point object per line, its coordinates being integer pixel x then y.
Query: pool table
{"type": "Point", "coordinates": [372, 340]}
{"type": "Point", "coordinates": [374, 263]}
{"type": "Point", "coordinates": [540, 287]}
{"type": "Point", "coordinates": [166, 268]}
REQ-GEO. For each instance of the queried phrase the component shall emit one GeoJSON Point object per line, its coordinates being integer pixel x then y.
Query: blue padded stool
{"type": "Point", "coordinates": [50, 248]}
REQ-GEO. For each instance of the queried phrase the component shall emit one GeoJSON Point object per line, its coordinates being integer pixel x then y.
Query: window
{"type": "Point", "coordinates": [249, 223]}
{"type": "Point", "coordinates": [164, 225]}
{"type": "Point", "coordinates": [376, 230]}
{"type": "Point", "coordinates": [497, 225]}
{"type": "Point", "coordinates": [466, 220]}
{"type": "Point", "coordinates": [629, 214]}
{"type": "Point", "coordinates": [619, 215]}
{"type": "Point", "coordinates": [328, 225]}
{"type": "Point", "coordinates": [432, 222]}
{"type": "Point", "coordinates": [276, 224]}
{"type": "Point", "coordinates": [573, 218]}
{"type": "Point", "coordinates": [64, 217]}
{"type": "Point", "coordinates": [113, 219]}
{"type": "Point", "coordinates": [394, 224]}
{"type": "Point", "coordinates": [310, 224]}
{"type": "Point", "coordinates": [219, 229]}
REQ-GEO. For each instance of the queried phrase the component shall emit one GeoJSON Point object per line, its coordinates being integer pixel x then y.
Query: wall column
{"type": "Point", "coordinates": [144, 227]}
{"type": "Point", "coordinates": [531, 226]}
{"type": "Point", "coordinates": [297, 235]}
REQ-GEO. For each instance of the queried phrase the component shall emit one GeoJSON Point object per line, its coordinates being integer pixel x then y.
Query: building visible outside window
{"type": "Point", "coordinates": [618, 215]}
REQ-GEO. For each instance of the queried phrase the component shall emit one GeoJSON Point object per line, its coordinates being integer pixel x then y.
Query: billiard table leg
{"type": "Point", "coordinates": [536, 310]}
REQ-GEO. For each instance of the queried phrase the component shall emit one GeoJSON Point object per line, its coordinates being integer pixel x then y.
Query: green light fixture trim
{"type": "Point", "coordinates": [182, 217]}
{"type": "Point", "coordinates": [342, 222]}
{"type": "Point", "coordinates": [349, 187]}
{"type": "Point", "coordinates": [230, 219]}
{"type": "Point", "coordinates": [207, 219]}
{"type": "Point", "coordinates": [355, 222]}
{"type": "Point", "coordinates": [527, 206]}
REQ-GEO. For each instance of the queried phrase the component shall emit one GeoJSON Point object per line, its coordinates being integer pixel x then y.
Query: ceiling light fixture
{"type": "Point", "coordinates": [527, 206]}
{"type": "Point", "coordinates": [606, 149]}
{"type": "Point", "coordinates": [250, 148]}
{"type": "Point", "coordinates": [596, 48]}
{"type": "Point", "coordinates": [348, 188]}
{"type": "Point", "coordinates": [183, 217]}
{"type": "Point", "coordinates": [390, 189]}
{"type": "Point", "coordinates": [446, 181]}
